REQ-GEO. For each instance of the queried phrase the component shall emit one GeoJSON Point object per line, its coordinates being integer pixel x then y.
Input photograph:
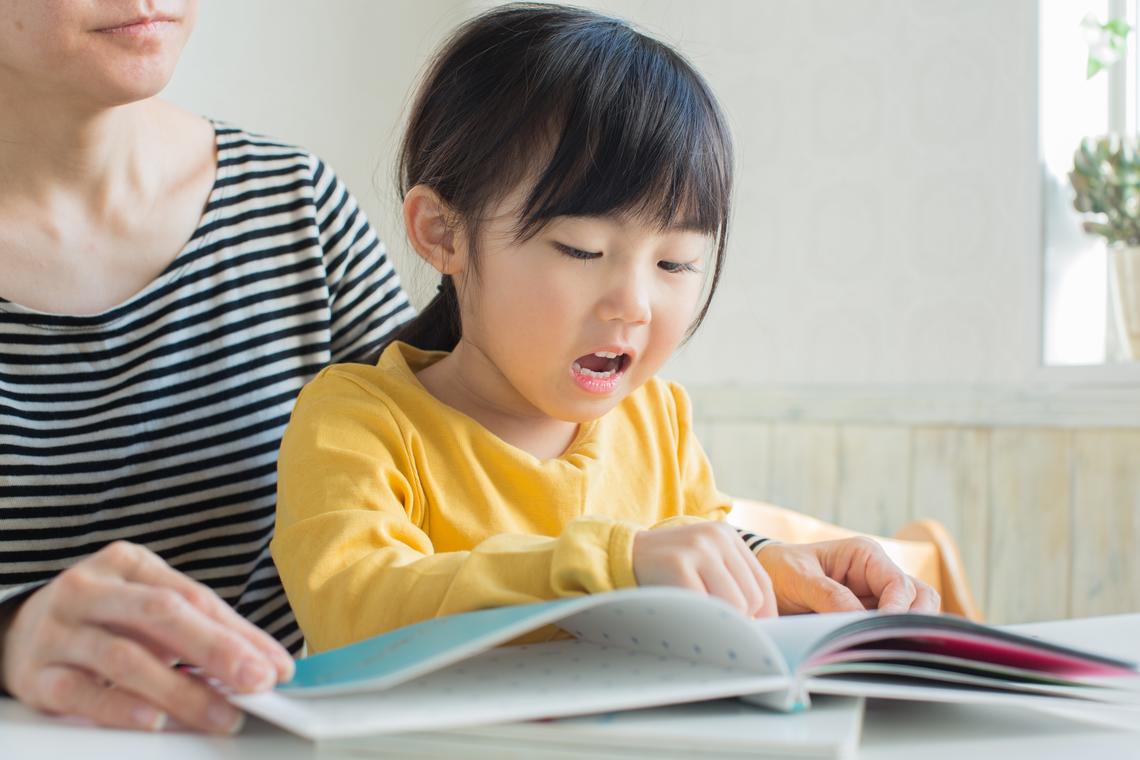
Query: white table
{"type": "Point", "coordinates": [891, 730]}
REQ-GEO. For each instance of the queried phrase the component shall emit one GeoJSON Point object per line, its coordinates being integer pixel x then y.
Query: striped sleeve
{"type": "Point", "coordinates": [366, 302]}
{"type": "Point", "coordinates": [754, 542]}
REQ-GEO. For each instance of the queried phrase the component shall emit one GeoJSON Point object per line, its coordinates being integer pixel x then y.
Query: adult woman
{"type": "Point", "coordinates": [168, 284]}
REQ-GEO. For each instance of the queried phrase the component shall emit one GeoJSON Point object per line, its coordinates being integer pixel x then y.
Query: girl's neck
{"type": "Point", "coordinates": [466, 381]}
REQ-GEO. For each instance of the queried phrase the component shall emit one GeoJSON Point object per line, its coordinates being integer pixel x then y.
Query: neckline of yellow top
{"type": "Point", "coordinates": [405, 360]}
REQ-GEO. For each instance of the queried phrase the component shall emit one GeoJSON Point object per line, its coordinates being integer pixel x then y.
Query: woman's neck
{"type": "Point", "coordinates": [94, 156]}
{"type": "Point", "coordinates": [94, 204]}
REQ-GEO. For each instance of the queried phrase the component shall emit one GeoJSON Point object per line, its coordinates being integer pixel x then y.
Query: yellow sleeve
{"type": "Point", "coordinates": [702, 500]}
{"type": "Point", "coordinates": [349, 546]}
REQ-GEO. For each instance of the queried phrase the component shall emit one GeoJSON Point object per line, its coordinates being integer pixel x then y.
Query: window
{"type": "Point", "coordinates": [1079, 326]}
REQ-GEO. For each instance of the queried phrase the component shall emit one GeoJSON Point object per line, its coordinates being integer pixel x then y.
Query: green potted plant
{"type": "Point", "coordinates": [1106, 182]}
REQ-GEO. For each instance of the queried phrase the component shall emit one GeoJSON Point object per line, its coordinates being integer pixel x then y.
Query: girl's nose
{"type": "Point", "coordinates": [627, 299]}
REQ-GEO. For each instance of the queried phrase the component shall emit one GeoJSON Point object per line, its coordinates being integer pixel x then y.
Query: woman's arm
{"type": "Point", "coordinates": [367, 303]}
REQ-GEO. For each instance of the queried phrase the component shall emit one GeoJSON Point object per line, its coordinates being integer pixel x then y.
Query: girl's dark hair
{"type": "Point", "coordinates": [623, 123]}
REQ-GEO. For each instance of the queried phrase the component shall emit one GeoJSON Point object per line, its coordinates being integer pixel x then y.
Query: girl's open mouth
{"type": "Point", "coordinates": [599, 372]}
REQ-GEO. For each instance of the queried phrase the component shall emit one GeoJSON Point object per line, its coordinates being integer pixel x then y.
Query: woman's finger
{"type": "Point", "coordinates": [822, 594]}
{"type": "Point", "coordinates": [898, 594]}
{"type": "Point", "coordinates": [133, 563]}
{"type": "Point", "coordinates": [926, 599]}
{"type": "Point", "coordinates": [164, 618]}
{"type": "Point", "coordinates": [64, 690]}
{"type": "Point", "coordinates": [131, 668]}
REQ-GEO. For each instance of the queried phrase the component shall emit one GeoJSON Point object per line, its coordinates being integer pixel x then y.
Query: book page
{"type": "Point", "coordinates": [671, 622]}
{"type": "Point", "coordinates": [513, 683]}
{"type": "Point", "coordinates": [685, 625]}
{"type": "Point", "coordinates": [918, 674]}
{"type": "Point", "coordinates": [1112, 715]}
{"type": "Point", "coordinates": [797, 636]}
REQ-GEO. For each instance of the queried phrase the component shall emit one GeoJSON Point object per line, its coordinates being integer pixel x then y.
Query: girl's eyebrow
{"type": "Point", "coordinates": [687, 225]}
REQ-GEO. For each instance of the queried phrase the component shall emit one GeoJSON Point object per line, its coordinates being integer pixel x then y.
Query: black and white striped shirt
{"type": "Point", "coordinates": [159, 420]}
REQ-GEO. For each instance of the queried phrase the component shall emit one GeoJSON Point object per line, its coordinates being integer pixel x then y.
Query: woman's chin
{"type": "Point", "coordinates": [121, 88]}
{"type": "Point", "coordinates": [111, 76]}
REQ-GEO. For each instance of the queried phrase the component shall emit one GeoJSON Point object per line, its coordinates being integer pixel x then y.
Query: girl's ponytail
{"type": "Point", "coordinates": [437, 327]}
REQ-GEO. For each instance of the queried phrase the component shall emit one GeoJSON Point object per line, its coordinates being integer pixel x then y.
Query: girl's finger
{"type": "Point", "coordinates": [721, 583]}
{"type": "Point", "coordinates": [64, 690]}
{"type": "Point", "coordinates": [768, 607]}
{"type": "Point", "coordinates": [131, 668]}
{"type": "Point", "coordinates": [742, 564]}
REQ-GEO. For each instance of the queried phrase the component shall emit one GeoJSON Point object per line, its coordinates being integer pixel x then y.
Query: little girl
{"type": "Point", "coordinates": [570, 178]}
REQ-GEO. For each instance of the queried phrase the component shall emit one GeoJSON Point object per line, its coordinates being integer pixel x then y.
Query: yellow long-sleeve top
{"type": "Point", "coordinates": [393, 507]}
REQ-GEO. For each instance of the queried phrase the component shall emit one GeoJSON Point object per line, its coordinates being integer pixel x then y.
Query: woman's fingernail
{"type": "Point", "coordinates": [255, 676]}
{"type": "Point", "coordinates": [225, 718]}
{"type": "Point", "coordinates": [148, 718]}
{"type": "Point", "coordinates": [288, 667]}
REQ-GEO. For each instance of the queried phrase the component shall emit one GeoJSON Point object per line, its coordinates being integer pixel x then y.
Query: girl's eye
{"type": "Point", "coordinates": [677, 267]}
{"type": "Point", "coordinates": [577, 253]}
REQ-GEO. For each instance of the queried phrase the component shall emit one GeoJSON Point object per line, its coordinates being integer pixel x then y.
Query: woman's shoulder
{"type": "Point", "coordinates": [233, 137]}
{"type": "Point", "coordinates": [243, 151]}
{"type": "Point", "coordinates": [251, 165]}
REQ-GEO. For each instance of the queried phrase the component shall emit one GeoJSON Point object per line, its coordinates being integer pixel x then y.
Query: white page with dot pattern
{"type": "Point", "coordinates": [636, 648]}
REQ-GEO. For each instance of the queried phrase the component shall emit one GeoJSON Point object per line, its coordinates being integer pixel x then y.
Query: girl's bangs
{"type": "Point", "coordinates": [646, 140]}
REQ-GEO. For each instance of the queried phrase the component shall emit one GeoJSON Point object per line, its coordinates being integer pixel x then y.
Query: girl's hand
{"type": "Point", "coordinates": [708, 557]}
{"type": "Point", "coordinates": [843, 575]}
{"type": "Point", "coordinates": [99, 640]}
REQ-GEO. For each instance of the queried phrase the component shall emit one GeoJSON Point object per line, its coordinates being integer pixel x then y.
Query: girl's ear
{"type": "Point", "coordinates": [430, 231]}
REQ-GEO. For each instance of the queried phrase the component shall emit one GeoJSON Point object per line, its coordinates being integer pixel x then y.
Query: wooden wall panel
{"type": "Point", "coordinates": [1106, 523]}
{"type": "Point", "coordinates": [873, 492]}
{"type": "Point", "coordinates": [1047, 520]}
{"type": "Point", "coordinates": [739, 454]}
{"type": "Point", "coordinates": [1030, 540]}
{"type": "Point", "coordinates": [803, 468]}
{"type": "Point", "coordinates": [950, 483]}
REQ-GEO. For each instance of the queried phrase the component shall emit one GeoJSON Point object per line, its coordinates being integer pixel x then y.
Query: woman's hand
{"type": "Point", "coordinates": [837, 576]}
{"type": "Point", "coordinates": [99, 641]}
{"type": "Point", "coordinates": [708, 557]}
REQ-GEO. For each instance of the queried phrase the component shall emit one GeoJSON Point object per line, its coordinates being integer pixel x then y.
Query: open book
{"type": "Point", "coordinates": [645, 647]}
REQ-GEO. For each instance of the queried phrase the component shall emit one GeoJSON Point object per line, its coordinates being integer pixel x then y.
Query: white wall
{"type": "Point", "coordinates": [887, 225]}
{"type": "Point", "coordinates": [887, 222]}
{"type": "Point", "coordinates": [333, 76]}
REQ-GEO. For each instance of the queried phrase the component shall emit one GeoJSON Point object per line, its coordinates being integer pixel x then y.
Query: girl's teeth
{"type": "Point", "coordinates": [605, 354]}
{"type": "Point", "coordinates": [591, 373]}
